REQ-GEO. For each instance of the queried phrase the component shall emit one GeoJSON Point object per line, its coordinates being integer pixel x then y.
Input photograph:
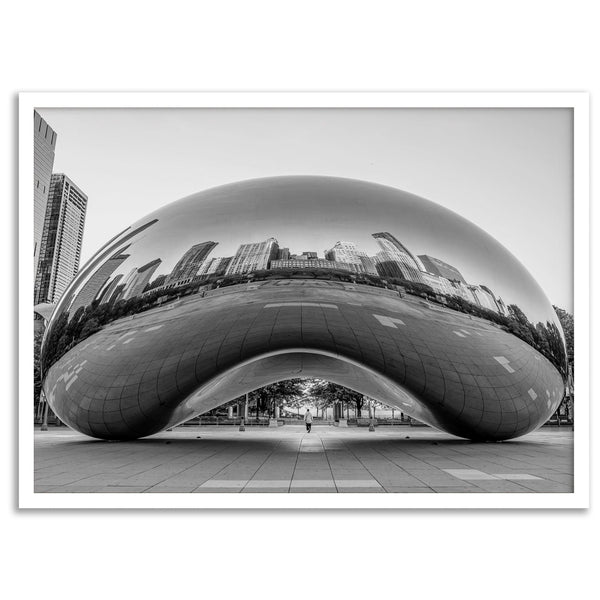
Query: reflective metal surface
{"type": "Point", "coordinates": [253, 282]}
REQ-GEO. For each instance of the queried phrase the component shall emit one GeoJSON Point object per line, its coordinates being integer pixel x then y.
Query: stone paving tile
{"type": "Point", "coordinates": [224, 483]}
{"type": "Point", "coordinates": [43, 489]}
{"type": "Point", "coordinates": [166, 489]}
{"type": "Point", "coordinates": [284, 460]}
{"type": "Point", "coordinates": [312, 483]}
{"type": "Point", "coordinates": [393, 489]}
{"type": "Point", "coordinates": [310, 490]}
{"type": "Point", "coordinates": [357, 483]}
{"type": "Point", "coordinates": [499, 485]}
{"type": "Point", "coordinates": [458, 490]}
{"type": "Point", "coordinates": [438, 478]}
{"type": "Point", "coordinates": [361, 490]}
{"type": "Point", "coordinates": [202, 490]}
{"type": "Point", "coordinates": [268, 483]}
{"type": "Point", "coordinates": [121, 489]}
{"type": "Point", "coordinates": [280, 490]}
{"type": "Point", "coordinates": [546, 486]}
{"type": "Point", "coordinates": [564, 478]}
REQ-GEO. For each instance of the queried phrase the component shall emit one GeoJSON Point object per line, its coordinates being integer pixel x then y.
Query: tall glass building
{"type": "Point", "coordinates": [395, 260]}
{"type": "Point", "coordinates": [62, 235]}
{"type": "Point", "coordinates": [253, 257]}
{"type": "Point", "coordinates": [44, 142]}
{"type": "Point", "coordinates": [441, 268]}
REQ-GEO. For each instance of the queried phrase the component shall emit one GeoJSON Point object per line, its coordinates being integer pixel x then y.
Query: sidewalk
{"type": "Point", "coordinates": [288, 460]}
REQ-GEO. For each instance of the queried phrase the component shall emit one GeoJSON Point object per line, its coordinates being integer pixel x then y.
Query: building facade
{"type": "Point", "coordinates": [189, 264]}
{"type": "Point", "coordinates": [346, 252]}
{"type": "Point", "coordinates": [44, 143]}
{"type": "Point", "coordinates": [441, 268]}
{"type": "Point", "coordinates": [97, 283]}
{"type": "Point", "coordinates": [62, 236]}
{"type": "Point", "coordinates": [215, 266]}
{"type": "Point", "coordinates": [484, 298]}
{"type": "Point", "coordinates": [440, 285]}
{"type": "Point", "coordinates": [396, 258]}
{"type": "Point", "coordinates": [253, 257]}
{"type": "Point", "coordinates": [138, 279]}
{"type": "Point", "coordinates": [312, 263]}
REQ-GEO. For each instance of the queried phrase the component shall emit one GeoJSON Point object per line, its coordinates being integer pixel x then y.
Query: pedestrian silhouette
{"type": "Point", "coordinates": [308, 420]}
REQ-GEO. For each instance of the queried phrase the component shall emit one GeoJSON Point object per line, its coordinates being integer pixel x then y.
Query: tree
{"type": "Point", "coordinates": [37, 368]}
{"type": "Point", "coordinates": [276, 394]}
{"type": "Point", "coordinates": [325, 394]}
{"type": "Point", "coordinates": [568, 326]}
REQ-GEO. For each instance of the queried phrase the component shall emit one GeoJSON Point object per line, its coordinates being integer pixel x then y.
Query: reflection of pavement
{"type": "Point", "coordinates": [460, 373]}
{"type": "Point", "coordinates": [289, 460]}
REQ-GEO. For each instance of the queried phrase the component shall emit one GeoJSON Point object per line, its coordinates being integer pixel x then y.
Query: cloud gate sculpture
{"type": "Point", "coordinates": [258, 281]}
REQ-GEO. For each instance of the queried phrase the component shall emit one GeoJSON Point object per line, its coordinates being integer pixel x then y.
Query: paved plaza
{"type": "Point", "coordinates": [288, 460]}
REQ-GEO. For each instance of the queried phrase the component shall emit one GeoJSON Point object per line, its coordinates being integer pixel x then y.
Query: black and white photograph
{"type": "Point", "coordinates": [303, 305]}
{"type": "Point", "coordinates": [313, 289]}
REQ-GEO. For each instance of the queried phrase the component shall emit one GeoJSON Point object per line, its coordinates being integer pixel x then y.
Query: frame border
{"type": "Point", "coordinates": [577, 101]}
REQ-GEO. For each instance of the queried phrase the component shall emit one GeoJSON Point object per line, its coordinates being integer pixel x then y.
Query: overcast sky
{"type": "Point", "coordinates": [507, 170]}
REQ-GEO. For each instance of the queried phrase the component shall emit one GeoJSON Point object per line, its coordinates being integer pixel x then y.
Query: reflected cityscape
{"type": "Point", "coordinates": [107, 296]}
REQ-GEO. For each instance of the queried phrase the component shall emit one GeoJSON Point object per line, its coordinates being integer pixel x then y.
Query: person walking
{"type": "Point", "coordinates": [308, 420]}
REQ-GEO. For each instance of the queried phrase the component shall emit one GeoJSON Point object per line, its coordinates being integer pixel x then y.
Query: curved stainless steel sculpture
{"type": "Point", "coordinates": [250, 283]}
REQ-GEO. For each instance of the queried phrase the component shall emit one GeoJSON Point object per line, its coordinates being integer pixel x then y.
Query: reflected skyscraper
{"type": "Point", "coordinates": [138, 279]}
{"type": "Point", "coordinates": [215, 266]}
{"type": "Point", "coordinates": [439, 267]}
{"type": "Point", "coordinates": [109, 290]}
{"type": "Point", "coordinates": [484, 297]}
{"type": "Point", "coordinates": [44, 143]}
{"type": "Point", "coordinates": [91, 289]}
{"type": "Point", "coordinates": [253, 257]}
{"type": "Point", "coordinates": [189, 264]}
{"type": "Point", "coordinates": [395, 260]}
{"type": "Point", "coordinates": [312, 263]}
{"type": "Point", "coordinates": [346, 252]}
{"type": "Point", "coordinates": [62, 236]}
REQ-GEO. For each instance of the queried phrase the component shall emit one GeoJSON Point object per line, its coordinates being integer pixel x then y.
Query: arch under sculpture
{"type": "Point", "coordinates": [253, 282]}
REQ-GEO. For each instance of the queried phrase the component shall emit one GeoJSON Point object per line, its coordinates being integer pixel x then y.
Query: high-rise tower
{"type": "Point", "coordinates": [44, 142]}
{"type": "Point", "coordinates": [62, 235]}
{"type": "Point", "coordinates": [253, 257]}
{"type": "Point", "coordinates": [441, 268]}
{"type": "Point", "coordinates": [189, 264]}
{"type": "Point", "coordinates": [395, 259]}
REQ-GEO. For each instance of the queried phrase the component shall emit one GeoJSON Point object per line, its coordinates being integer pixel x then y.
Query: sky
{"type": "Point", "coordinates": [509, 171]}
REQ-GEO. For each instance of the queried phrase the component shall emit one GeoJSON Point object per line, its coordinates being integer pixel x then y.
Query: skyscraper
{"type": "Point", "coordinates": [91, 289]}
{"type": "Point", "coordinates": [189, 264]}
{"type": "Point", "coordinates": [44, 142]}
{"type": "Point", "coordinates": [253, 257]}
{"type": "Point", "coordinates": [369, 264]}
{"type": "Point", "coordinates": [396, 258]}
{"type": "Point", "coordinates": [441, 268]}
{"type": "Point", "coordinates": [138, 278]}
{"type": "Point", "coordinates": [62, 235]}
{"type": "Point", "coordinates": [215, 266]}
{"type": "Point", "coordinates": [346, 252]}
{"type": "Point", "coordinates": [439, 284]}
{"type": "Point", "coordinates": [484, 297]}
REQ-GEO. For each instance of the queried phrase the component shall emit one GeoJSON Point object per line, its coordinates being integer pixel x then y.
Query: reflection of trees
{"type": "Point", "coordinates": [65, 332]}
{"type": "Point", "coordinates": [37, 370]}
{"type": "Point", "coordinates": [568, 327]}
